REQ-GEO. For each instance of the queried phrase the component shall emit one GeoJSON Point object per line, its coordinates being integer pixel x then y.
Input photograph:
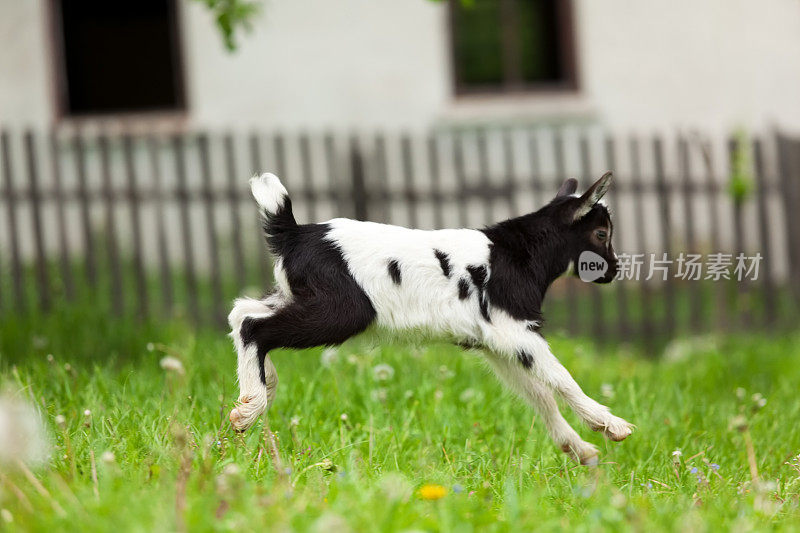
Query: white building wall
{"type": "Point", "coordinates": [644, 65]}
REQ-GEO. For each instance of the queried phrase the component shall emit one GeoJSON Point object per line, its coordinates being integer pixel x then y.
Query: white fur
{"type": "Point", "coordinates": [425, 299]}
{"type": "Point", "coordinates": [268, 191]}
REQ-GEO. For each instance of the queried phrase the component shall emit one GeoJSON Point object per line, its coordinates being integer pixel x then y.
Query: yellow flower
{"type": "Point", "coordinates": [432, 492]}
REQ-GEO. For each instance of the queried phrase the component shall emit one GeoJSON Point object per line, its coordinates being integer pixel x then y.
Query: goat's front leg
{"type": "Point", "coordinates": [522, 381]}
{"type": "Point", "coordinates": [531, 351]}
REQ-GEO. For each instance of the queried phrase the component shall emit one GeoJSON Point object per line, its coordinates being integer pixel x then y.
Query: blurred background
{"type": "Point", "coordinates": [128, 131]}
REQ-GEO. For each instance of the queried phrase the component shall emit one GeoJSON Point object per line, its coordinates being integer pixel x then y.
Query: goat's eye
{"type": "Point", "coordinates": [601, 234]}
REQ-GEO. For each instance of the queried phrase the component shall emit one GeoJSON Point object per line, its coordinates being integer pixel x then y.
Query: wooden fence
{"type": "Point", "coordinates": [161, 225]}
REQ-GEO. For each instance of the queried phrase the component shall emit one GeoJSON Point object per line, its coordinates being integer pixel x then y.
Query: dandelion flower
{"type": "Point", "coordinates": [607, 390]}
{"type": "Point", "coordinates": [432, 492]}
{"type": "Point", "coordinates": [382, 372]}
{"type": "Point", "coordinates": [328, 357]}
{"type": "Point", "coordinates": [22, 433]}
{"type": "Point", "coordinates": [379, 395]}
{"type": "Point", "coordinates": [677, 453]}
{"type": "Point", "coordinates": [172, 364]}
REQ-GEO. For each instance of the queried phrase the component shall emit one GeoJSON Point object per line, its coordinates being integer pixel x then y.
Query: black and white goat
{"type": "Point", "coordinates": [482, 288]}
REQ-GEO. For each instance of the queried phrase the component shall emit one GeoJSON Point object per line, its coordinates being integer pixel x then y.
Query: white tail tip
{"type": "Point", "coordinates": [268, 191]}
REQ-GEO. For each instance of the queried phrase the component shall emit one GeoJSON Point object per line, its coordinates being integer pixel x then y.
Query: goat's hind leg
{"type": "Point", "coordinates": [255, 395]}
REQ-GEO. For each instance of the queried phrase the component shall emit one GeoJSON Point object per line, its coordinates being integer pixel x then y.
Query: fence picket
{"type": "Point", "coordinates": [112, 247]}
{"type": "Point", "coordinates": [133, 198]}
{"type": "Point", "coordinates": [161, 231]}
{"type": "Point", "coordinates": [83, 194]}
{"type": "Point", "coordinates": [234, 206]}
{"type": "Point", "coordinates": [61, 218]}
{"type": "Point", "coordinates": [13, 230]}
{"type": "Point", "coordinates": [767, 263]}
{"type": "Point", "coordinates": [42, 278]}
{"type": "Point", "coordinates": [182, 193]}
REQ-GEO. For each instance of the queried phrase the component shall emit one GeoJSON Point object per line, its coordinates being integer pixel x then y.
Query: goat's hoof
{"type": "Point", "coordinates": [585, 453]}
{"type": "Point", "coordinates": [617, 429]}
{"type": "Point", "coordinates": [244, 414]}
{"type": "Point", "coordinates": [237, 420]}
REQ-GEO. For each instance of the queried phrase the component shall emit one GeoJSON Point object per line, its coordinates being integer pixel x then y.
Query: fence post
{"type": "Point", "coordinates": [111, 230]}
{"type": "Point", "coordinates": [13, 233]}
{"type": "Point", "coordinates": [42, 278]}
{"type": "Point", "coordinates": [133, 196]}
{"type": "Point", "coordinates": [153, 147]}
{"type": "Point", "coordinates": [359, 189]}
{"type": "Point", "coordinates": [788, 174]}
{"type": "Point", "coordinates": [61, 217]}
{"type": "Point", "coordinates": [768, 284]}
{"type": "Point", "coordinates": [182, 193]}
{"type": "Point", "coordinates": [83, 193]}
{"type": "Point", "coordinates": [695, 303]}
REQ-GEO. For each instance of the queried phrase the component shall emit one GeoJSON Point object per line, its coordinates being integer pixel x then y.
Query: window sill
{"type": "Point", "coordinates": [160, 122]}
{"type": "Point", "coordinates": [551, 107]}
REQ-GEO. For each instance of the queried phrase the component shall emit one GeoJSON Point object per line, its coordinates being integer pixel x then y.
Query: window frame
{"type": "Point", "coordinates": [58, 63]}
{"type": "Point", "coordinates": [568, 61]}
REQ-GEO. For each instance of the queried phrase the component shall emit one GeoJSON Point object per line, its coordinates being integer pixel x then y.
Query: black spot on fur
{"type": "Point", "coordinates": [479, 276]}
{"type": "Point", "coordinates": [444, 262]}
{"type": "Point", "coordinates": [394, 271]}
{"type": "Point", "coordinates": [478, 273]}
{"type": "Point", "coordinates": [525, 359]}
{"type": "Point", "coordinates": [327, 306]}
{"type": "Point", "coordinates": [463, 289]}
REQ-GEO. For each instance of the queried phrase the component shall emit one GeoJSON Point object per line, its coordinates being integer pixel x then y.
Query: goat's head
{"type": "Point", "coordinates": [587, 223]}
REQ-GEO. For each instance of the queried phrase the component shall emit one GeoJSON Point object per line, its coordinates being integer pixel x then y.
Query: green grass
{"type": "Point", "coordinates": [441, 419]}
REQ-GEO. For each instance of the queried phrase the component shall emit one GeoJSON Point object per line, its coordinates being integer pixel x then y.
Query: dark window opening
{"type": "Point", "coordinates": [512, 45]}
{"type": "Point", "coordinates": [119, 57]}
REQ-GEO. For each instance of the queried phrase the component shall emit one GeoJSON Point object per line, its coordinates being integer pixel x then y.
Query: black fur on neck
{"type": "Point", "coordinates": [527, 254]}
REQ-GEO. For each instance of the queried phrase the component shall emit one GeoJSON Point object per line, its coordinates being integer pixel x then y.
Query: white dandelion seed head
{"type": "Point", "coordinates": [328, 357]}
{"type": "Point", "coordinates": [150, 346]}
{"type": "Point", "coordinates": [677, 453]}
{"type": "Point", "coordinates": [607, 390]}
{"type": "Point", "coordinates": [382, 372]}
{"type": "Point", "coordinates": [467, 395]}
{"type": "Point", "coordinates": [379, 395]}
{"type": "Point", "coordinates": [108, 457]}
{"type": "Point", "coordinates": [23, 436]}
{"type": "Point", "coordinates": [172, 364]}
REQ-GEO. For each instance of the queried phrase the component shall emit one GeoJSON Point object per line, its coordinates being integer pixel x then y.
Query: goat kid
{"type": "Point", "coordinates": [482, 288]}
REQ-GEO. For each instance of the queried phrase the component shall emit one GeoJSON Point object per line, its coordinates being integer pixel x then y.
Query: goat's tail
{"type": "Point", "coordinates": [275, 206]}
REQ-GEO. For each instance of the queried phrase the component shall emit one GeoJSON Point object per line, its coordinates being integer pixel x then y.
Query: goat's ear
{"type": "Point", "coordinates": [569, 186]}
{"type": "Point", "coordinates": [592, 196]}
